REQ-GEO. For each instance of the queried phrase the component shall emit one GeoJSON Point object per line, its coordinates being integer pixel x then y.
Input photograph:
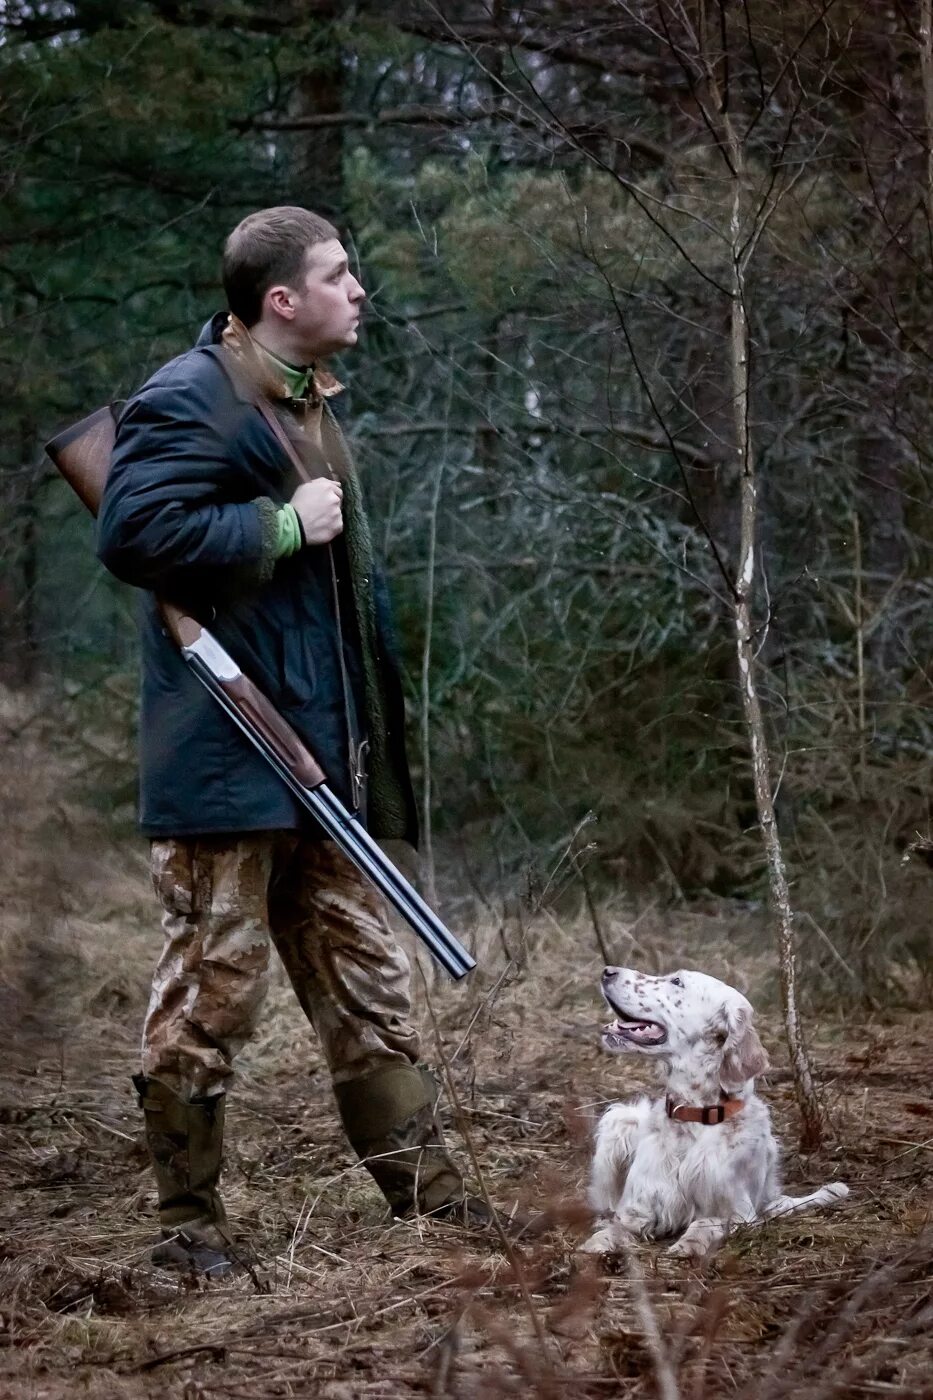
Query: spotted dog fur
{"type": "Point", "coordinates": [656, 1177]}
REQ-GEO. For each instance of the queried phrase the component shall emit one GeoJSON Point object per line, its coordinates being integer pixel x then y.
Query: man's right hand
{"type": "Point", "coordinates": [317, 505]}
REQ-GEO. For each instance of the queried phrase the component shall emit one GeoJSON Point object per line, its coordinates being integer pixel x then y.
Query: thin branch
{"type": "Point", "coordinates": [453, 119]}
{"type": "Point", "coordinates": [604, 60]}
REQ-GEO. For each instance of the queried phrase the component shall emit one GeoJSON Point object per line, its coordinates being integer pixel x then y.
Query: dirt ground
{"type": "Point", "coordinates": [351, 1305]}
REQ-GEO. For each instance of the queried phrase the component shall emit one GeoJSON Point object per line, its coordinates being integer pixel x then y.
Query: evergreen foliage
{"type": "Point", "coordinates": [540, 403]}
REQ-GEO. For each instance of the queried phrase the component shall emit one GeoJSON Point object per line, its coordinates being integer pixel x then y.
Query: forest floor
{"type": "Point", "coordinates": [833, 1304]}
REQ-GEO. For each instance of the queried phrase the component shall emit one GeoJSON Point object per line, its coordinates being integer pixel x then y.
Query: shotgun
{"type": "Point", "coordinates": [82, 455]}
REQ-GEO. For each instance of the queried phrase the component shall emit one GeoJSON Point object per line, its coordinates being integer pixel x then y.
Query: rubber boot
{"type": "Point", "coordinates": [391, 1120]}
{"type": "Point", "coordinates": [185, 1140]}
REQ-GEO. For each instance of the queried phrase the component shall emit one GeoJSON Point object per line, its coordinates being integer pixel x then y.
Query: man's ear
{"type": "Point", "coordinates": [279, 299]}
{"type": "Point", "coordinates": [743, 1055]}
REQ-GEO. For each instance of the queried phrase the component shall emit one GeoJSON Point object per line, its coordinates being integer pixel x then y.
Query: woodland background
{"type": "Point", "coordinates": [541, 209]}
{"type": "Point", "coordinates": [636, 269]}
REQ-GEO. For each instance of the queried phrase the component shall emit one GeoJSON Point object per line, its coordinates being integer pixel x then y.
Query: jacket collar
{"type": "Point", "coordinates": [264, 373]}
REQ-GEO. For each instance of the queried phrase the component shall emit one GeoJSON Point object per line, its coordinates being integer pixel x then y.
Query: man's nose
{"type": "Point", "coordinates": [357, 291]}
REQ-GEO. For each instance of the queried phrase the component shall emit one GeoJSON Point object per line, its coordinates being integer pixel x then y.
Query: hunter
{"type": "Point", "coordinates": [204, 508]}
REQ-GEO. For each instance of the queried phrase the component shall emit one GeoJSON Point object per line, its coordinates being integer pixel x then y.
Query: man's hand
{"type": "Point", "coordinates": [317, 504]}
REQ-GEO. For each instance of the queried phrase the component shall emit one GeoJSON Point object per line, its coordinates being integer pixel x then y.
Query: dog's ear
{"type": "Point", "coordinates": [743, 1055]}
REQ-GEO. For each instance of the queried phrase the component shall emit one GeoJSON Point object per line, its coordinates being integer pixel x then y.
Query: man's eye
{"type": "Point", "coordinates": [677, 981]}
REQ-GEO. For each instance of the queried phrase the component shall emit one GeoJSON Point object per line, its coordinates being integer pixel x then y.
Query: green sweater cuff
{"type": "Point", "coordinates": [289, 538]}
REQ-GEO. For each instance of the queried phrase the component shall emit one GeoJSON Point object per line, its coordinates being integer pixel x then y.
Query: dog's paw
{"type": "Point", "coordinates": [700, 1239]}
{"type": "Point", "coordinates": [688, 1249]}
{"type": "Point", "coordinates": [833, 1192]}
{"type": "Point", "coordinates": [608, 1239]}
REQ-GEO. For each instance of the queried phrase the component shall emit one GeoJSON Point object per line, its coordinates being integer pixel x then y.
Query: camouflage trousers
{"type": "Point", "coordinates": [225, 900]}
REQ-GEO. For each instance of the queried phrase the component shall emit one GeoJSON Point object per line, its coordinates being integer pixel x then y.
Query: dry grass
{"type": "Point", "coordinates": [833, 1305]}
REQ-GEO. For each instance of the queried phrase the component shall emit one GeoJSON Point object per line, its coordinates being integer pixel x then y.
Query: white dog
{"type": "Point", "coordinates": [703, 1158]}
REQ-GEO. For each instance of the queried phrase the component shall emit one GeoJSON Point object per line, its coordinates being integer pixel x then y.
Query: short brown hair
{"type": "Point", "coordinates": [268, 247]}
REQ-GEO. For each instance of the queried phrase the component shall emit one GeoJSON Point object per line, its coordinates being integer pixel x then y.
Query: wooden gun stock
{"type": "Point", "coordinates": [82, 454]}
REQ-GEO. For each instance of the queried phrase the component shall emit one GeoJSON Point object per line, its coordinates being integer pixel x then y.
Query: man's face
{"type": "Point", "coordinates": [322, 312]}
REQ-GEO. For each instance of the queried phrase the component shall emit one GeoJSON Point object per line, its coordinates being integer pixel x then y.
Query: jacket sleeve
{"type": "Point", "coordinates": [170, 513]}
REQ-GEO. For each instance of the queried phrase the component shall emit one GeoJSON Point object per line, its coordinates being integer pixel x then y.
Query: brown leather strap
{"type": "Point", "coordinates": [708, 1114]}
{"type": "Point", "coordinates": [356, 752]}
{"type": "Point", "coordinates": [284, 440]}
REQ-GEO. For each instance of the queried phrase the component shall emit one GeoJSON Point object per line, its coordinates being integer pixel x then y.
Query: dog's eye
{"type": "Point", "coordinates": [677, 981]}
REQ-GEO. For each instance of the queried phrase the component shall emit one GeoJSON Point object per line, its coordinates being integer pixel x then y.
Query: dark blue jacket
{"type": "Point", "coordinates": [189, 511]}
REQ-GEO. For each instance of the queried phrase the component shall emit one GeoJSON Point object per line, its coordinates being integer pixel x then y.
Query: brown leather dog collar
{"type": "Point", "coordinates": [708, 1114]}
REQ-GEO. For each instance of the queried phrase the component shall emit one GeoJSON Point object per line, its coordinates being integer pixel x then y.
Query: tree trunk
{"type": "Point", "coordinates": [315, 160]}
{"type": "Point", "coordinates": [722, 121]}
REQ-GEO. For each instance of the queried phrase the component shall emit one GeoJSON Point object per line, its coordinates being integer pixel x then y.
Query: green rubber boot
{"type": "Point", "coordinates": [390, 1119]}
{"type": "Point", "coordinates": [185, 1140]}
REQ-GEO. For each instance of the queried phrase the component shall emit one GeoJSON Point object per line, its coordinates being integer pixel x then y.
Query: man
{"type": "Point", "coordinates": [204, 507]}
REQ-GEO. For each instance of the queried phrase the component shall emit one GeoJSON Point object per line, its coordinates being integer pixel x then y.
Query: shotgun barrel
{"type": "Point", "coordinates": [284, 751]}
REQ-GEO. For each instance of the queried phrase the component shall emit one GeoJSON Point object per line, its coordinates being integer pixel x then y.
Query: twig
{"type": "Point", "coordinates": [217, 1349]}
{"type": "Point", "coordinates": [663, 1370]}
{"type": "Point", "coordinates": [601, 943]}
{"type": "Point", "coordinates": [462, 1123]}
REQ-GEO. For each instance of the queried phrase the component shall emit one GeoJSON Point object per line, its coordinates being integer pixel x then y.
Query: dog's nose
{"type": "Point", "coordinates": [609, 973]}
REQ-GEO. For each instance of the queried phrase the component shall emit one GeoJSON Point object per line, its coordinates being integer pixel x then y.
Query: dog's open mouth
{"type": "Point", "coordinates": [635, 1031]}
